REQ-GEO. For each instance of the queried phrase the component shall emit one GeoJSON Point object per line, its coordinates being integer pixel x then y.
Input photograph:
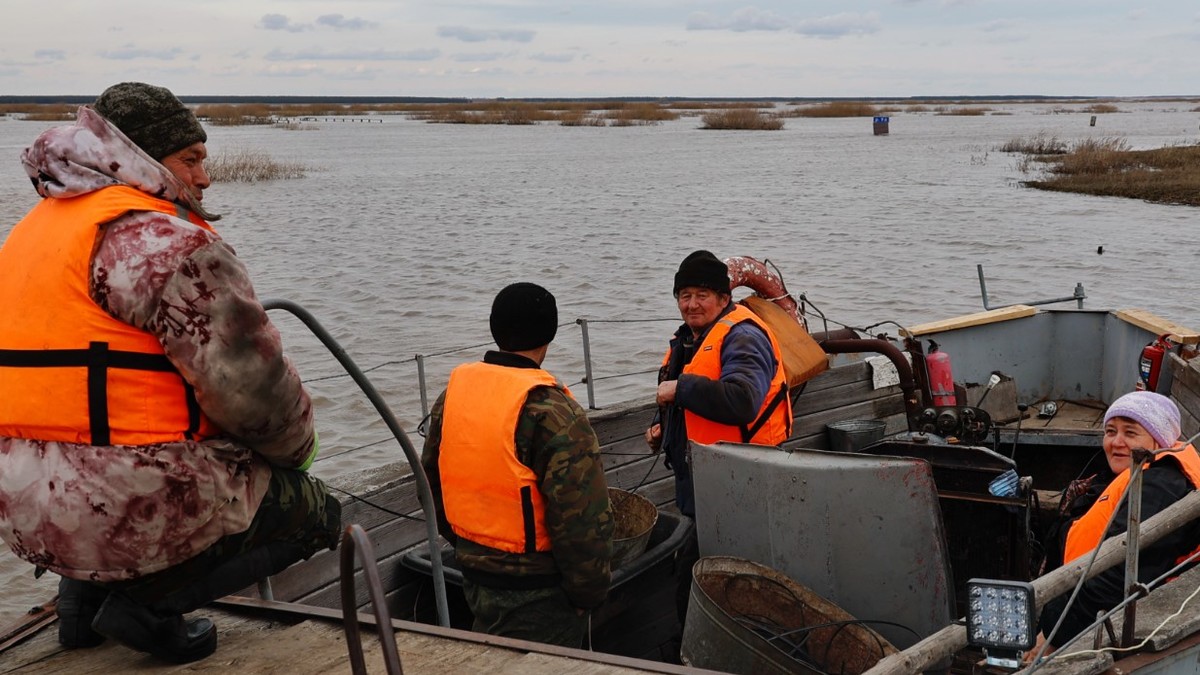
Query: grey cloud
{"type": "Point", "coordinates": [838, 25]}
{"type": "Point", "coordinates": [339, 22]}
{"type": "Point", "coordinates": [129, 52]}
{"type": "Point", "coordinates": [51, 54]}
{"type": "Point", "coordinates": [472, 58]}
{"type": "Point", "coordinates": [354, 55]}
{"type": "Point", "coordinates": [476, 35]}
{"type": "Point", "coordinates": [743, 20]}
{"type": "Point", "coordinates": [754, 19]}
{"type": "Point", "coordinates": [281, 22]}
{"type": "Point", "coordinates": [998, 25]}
{"type": "Point", "coordinates": [553, 58]}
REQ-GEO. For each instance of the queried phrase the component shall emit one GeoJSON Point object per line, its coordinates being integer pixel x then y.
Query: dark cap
{"type": "Point", "coordinates": [702, 269]}
{"type": "Point", "coordinates": [524, 316]}
{"type": "Point", "coordinates": [151, 117]}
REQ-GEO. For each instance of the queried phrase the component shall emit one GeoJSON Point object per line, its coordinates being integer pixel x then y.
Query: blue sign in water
{"type": "Point", "coordinates": [882, 120]}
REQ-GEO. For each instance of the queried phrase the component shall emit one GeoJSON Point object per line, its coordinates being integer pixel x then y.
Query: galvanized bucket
{"type": "Point", "coordinates": [854, 435]}
{"type": "Point", "coordinates": [634, 517]}
{"type": "Point", "coordinates": [747, 618]}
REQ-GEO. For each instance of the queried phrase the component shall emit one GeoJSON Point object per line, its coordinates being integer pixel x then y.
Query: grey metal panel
{"type": "Point", "coordinates": [1123, 343]}
{"type": "Point", "coordinates": [864, 532]}
{"type": "Point", "coordinates": [1054, 354]}
{"type": "Point", "coordinates": [1016, 348]}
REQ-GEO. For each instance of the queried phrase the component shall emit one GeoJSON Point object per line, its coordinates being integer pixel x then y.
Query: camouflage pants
{"type": "Point", "coordinates": [541, 615]}
{"type": "Point", "coordinates": [297, 518]}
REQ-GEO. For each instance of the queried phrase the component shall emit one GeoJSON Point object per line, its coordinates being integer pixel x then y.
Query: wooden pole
{"type": "Point", "coordinates": [944, 643]}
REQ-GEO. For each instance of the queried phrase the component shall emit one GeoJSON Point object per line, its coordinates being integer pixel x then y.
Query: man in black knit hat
{"type": "Point", "coordinates": [141, 379]}
{"type": "Point", "coordinates": [722, 379]}
{"type": "Point", "coordinates": [518, 483]}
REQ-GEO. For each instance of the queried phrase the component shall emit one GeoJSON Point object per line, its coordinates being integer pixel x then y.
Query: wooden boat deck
{"type": "Point", "coordinates": [290, 642]}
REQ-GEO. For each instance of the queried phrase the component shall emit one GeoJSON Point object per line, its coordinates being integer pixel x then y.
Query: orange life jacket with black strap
{"type": "Point", "coordinates": [1088, 532]}
{"type": "Point", "coordinates": [490, 497]}
{"type": "Point", "coordinates": [773, 424]}
{"type": "Point", "coordinates": [70, 371]}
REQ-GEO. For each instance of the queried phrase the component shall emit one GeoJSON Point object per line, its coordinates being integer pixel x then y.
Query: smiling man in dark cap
{"type": "Point", "coordinates": [518, 483]}
{"type": "Point", "coordinates": [722, 379]}
{"type": "Point", "coordinates": [141, 376]}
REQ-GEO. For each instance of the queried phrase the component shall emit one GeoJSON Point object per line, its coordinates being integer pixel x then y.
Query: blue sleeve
{"type": "Point", "coordinates": [747, 367]}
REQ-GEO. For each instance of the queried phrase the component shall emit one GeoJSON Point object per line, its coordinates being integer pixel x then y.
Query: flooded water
{"type": "Point", "coordinates": [402, 232]}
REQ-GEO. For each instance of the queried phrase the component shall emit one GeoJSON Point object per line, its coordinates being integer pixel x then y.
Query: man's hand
{"type": "Point", "coordinates": [1041, 640]}
{"type": "Point", "coordinates": [654, 437]}
{"type": "Point", "coordinates": [666, 392]}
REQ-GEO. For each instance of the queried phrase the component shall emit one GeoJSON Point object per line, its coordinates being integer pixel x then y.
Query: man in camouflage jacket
{"type": "Point", "coordinates": [536, 592]}
{"type": "Point", "coordinates": [143, 533]}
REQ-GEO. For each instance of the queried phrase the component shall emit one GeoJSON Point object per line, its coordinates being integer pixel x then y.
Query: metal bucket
{"type": "Point", "coordinates": [854, 435]}
{"type": "Point", "coordinates": [746, 618]}
{"type": "Point", "coordinates": [634, 517]}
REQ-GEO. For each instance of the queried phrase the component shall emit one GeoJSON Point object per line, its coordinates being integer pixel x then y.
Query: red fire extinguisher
{"type": "Point", "coordinates": [941, 379]}
{"type": "Point", "coordinates": [1150, 363]}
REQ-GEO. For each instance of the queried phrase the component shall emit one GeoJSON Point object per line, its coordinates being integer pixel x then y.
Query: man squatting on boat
{"type": "Point", "coordinates": [722, 379]}
{"type": "Point", "coordinates": [1140, 419]}
{"type": "Point", "coordinates": [518, 483]}
{"type": "Point", "coordinates": [154, 440]}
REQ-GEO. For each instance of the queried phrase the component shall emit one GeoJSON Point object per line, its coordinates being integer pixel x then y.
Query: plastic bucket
{"type": "Point", "coordinates": [854, 435]}
{"type": "Point", "coordinates": [634, 517]}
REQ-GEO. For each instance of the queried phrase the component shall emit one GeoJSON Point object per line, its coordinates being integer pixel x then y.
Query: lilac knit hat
{"type": "Point", "coordinates": [1156, 413]}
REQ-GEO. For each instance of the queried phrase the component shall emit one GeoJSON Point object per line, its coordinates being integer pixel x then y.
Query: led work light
{"type": "Point", "coordinates": [1000, 619]}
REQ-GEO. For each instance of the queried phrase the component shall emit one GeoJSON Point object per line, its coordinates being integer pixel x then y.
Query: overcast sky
{"type": "Point", "coordinates": [550, 48]}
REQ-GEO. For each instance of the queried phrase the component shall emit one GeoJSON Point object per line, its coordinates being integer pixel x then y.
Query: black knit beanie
{"type": "Point", "coordinates": [702, 269]}
{"type": "Point", "coordinates": [151, 117]}
{"type": "Point", "coordinates": [524, 316]}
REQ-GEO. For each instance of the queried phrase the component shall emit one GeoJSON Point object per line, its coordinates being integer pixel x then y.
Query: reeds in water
{"type": "Point", "coordinates": [834, 109]}
{"type": "Point", "coordinates": [250, 166]}
{"type": "Point", "coordinates": [1107, 167]}
{"type": "Point", "coordinates": [741, 118]}
{"type": "Point", "coordinates": [1040, 144]}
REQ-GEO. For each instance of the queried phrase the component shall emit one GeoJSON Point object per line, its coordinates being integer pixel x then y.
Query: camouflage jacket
{"type": "Point", "coordinates": [555, 439]}
{"type": "Point", "coordinates": [119, 512]}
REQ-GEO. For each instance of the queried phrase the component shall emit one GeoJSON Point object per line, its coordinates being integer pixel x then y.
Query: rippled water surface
{"type": "Point", "coordinates": [402, 232]}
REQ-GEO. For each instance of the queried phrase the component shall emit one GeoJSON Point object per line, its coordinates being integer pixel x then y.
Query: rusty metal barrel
{"type": "Point", "coordinates": [744, 617]}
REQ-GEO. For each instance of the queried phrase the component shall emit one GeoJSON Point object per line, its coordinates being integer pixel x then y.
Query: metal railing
{"type": "Point", "coordinates": [1078, 296]}
{"type": "Point", "coordinates": [589, 377]}
{"type": "Point", "coordinates": [424, 494]}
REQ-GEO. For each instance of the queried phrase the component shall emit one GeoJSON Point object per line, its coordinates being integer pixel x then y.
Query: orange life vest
{"type": "Point", "coordinates": [1087, 532]}
{"type": "Point", "coordinates": [69, 371]}
{"type": "Point", "coordinates": [490, 497]}
{"type": "Point", "coordinates": [773, 424]}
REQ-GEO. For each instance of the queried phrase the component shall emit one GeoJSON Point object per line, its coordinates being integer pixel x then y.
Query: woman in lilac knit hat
{"type": "Point", "coordinates": [1144, 420]}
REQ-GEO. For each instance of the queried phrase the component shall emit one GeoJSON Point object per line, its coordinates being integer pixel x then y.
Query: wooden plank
{"type": "Point", "coordinates": [1185, 373]}
{"type": "Point", "coordinates": [873, 409]}
{"type": "Point", "coordinates": [966, 321]}
{"type": "Point", "coordinates": [840, 397]}
{"type": "Point", "coordinates": [624, 422]}
{"type": "Point", "coordinates": [836, 377]}
{"type": "Point", "coordinates": [1189, 402]}
{"type": "Point", "coordinates": [1158, 325]}
{"type": "Point", "coordinates": [616, 455]}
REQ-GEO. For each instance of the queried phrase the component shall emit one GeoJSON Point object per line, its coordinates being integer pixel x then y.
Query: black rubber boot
{"type": "Point", "coordinates": [166, 636]}
{"type": "Point", "coordinates": [78, 602]}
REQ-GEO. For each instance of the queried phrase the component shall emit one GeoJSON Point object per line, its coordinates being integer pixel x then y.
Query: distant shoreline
{"type": "Point", "coordinates": [350, 100]}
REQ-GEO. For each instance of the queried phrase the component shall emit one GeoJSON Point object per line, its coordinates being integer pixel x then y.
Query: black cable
{"type": "Point", "coordinates": [372, 504]}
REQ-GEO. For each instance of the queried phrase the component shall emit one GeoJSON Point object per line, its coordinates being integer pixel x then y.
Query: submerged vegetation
{"type": "Point", "coordinates": [1107, 167]}
{"type": "Point", "coordinates": [250, 166]}
{"type": "Point", "coordinates": [741, 118]}
{"type": "Point", "coordinates": [834, 109]}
